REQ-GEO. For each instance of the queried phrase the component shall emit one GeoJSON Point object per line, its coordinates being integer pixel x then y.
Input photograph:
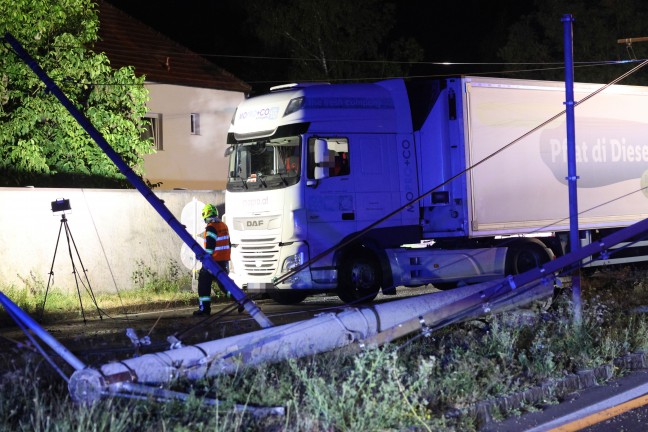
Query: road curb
{"type": "Point", "coordinates": [489, 411]}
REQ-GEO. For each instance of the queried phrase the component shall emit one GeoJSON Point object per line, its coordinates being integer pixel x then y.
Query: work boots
{"type": "Point", "coordinates": [204, 309]}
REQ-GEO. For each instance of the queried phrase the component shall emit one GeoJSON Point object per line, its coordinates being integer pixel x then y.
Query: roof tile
{"type": "Point", "coordinates": [129, 42]}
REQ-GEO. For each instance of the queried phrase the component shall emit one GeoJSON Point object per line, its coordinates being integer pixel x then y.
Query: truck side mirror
{"type": "Point", "coordinates": [322, 161]}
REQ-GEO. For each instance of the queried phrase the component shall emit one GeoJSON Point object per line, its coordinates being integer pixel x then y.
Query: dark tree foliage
{"type": "Point", "coordinates": [598, 24]}
{"type": "Point", "coordinates": [40, 143]}
{"type": "Point", "coordinates": [334, 41]}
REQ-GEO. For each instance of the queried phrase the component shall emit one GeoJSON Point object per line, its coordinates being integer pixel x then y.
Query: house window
{"type": "Point", "coordinates": [153, 129]}
{"type": "Point", "coordinates": [195, 124]}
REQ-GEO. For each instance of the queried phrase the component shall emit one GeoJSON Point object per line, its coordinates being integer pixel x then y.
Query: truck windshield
{"type": "Point", "coordinates": [264, 164]}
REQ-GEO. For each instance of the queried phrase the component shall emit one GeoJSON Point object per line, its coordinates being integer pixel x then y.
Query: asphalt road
{"type": "Point", "coordinates": [619, 405]}
{"type": "Point", "coordinates": [104, 337]}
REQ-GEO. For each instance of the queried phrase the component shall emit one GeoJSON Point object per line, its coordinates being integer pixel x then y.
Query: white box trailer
{"type": "Point", "coordinates": [611, 156]}
{"type": "Point", "coordinates": [357, 187]}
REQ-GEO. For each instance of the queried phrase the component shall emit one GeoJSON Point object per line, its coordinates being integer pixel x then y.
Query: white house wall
{"type": "Point", "coordinates": [191, 161]}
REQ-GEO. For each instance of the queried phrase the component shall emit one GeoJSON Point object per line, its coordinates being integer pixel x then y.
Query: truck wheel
{"type": "Point", "coordinates": [359, 280]}
{"type": "Point", "coordinates": [524, 256]}
{"type": "Point", "coordinates": [288, 297]}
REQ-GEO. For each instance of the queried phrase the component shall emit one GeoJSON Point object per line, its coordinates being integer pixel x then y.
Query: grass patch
{"type": "Point", "coordinates": [149, 289]}
{"type": "Point", "coordinates": [415, 384]}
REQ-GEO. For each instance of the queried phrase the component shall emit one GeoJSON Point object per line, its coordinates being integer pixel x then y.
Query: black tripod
{"type": "Point", "coordinates": [70, 243]}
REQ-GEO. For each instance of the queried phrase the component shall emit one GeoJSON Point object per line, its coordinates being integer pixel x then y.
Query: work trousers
{"type": "Point", "coordinates": [205, 279]}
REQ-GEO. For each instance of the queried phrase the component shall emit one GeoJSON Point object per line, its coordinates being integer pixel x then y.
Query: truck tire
{"type": "Point", "coordinates": [523, 256]}
{"type": "Point", "coordinates": [288, 297]}
{"type": "Point", "coordinates": [360, 279]}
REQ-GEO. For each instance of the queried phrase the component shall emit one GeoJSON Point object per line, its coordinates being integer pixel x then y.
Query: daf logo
{"type": "Point", "coordinates": [254, 223]}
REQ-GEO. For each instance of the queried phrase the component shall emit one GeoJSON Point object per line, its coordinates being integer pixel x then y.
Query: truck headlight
{"type": "Point", "coordinates": [293, 261]}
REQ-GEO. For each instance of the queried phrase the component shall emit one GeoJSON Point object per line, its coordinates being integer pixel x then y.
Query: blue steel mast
{"type": "Point", "coordinates": [572, 178]}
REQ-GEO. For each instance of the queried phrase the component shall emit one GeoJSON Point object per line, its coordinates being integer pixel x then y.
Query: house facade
{"type": "Point", "coordinates": [191, 102]}
{"type": "Point", "coordinates": [191, 125]}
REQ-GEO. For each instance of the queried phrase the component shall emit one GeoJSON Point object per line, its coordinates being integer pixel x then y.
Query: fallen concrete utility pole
{"type": "Point", "coordinates": [323, 333]}
{"type": "Point", "coordinates": [146, 192]}
{"type": "Point", "coordinates": [364, 326]}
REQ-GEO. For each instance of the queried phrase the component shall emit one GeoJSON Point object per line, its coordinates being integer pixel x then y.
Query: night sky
{"type": "Point", "coordinates": [466, 31]}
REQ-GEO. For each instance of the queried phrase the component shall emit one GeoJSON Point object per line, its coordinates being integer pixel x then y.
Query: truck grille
{"type": "Point", "coordinates": [260, 257]}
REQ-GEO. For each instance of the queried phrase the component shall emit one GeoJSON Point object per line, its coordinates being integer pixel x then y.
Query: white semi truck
{"type": "Point", "coordinates": [313, 165]}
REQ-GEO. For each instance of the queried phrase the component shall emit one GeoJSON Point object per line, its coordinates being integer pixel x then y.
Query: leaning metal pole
{"type": "Point", "coordinates": [52, 342]}
{"type": "Point", "coordinates": [148, 194]}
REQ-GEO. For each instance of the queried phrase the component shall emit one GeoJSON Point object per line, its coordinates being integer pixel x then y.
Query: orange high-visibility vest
{"type": "Point", "coordinates": [217, 241]}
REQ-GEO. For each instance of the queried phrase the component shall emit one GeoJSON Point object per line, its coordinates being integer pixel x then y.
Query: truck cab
{"type": "Point", "coordinates": [310, 167]}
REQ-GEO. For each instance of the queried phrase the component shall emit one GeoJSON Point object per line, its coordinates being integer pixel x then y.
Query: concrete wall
{"type": "Point", "coordinates": [191, 161]}
{"type": "Point", "coordinates": [112, 229]}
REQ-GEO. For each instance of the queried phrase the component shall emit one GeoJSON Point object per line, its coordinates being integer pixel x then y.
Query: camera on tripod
{"type": "Point", "coordinates": [60, 206]}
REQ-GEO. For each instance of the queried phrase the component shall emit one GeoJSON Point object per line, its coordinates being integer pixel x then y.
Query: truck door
{"type": "Point", "coordinates": [354, 186]}
{"type": "Point", "coordinates": [330, 196]}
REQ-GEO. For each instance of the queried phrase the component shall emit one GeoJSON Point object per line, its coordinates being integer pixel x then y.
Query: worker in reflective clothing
{"type": "Point", "coordinates": [217, 243]}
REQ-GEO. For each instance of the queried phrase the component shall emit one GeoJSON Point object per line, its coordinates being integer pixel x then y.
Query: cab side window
{"type": "Point", "coordinates": [339, 164]}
